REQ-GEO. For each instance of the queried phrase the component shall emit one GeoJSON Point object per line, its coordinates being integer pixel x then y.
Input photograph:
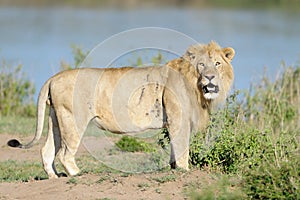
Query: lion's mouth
{"type": "Point", "coordinates": [210, 88]}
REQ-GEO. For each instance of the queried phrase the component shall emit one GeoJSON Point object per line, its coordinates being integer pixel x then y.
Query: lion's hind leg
{"type": "Point", "coordinates": [70, 140]}
{"type": "Point", "coordinates": [67, 158]}
{"type": "Point", "coordinates": [51, 146]}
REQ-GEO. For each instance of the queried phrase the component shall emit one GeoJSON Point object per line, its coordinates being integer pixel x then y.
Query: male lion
{"type": "Point", "coordinates": [178, 96]}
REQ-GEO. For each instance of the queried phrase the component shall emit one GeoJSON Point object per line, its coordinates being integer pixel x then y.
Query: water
{"type": "Point", "coordinates": [40, 38]}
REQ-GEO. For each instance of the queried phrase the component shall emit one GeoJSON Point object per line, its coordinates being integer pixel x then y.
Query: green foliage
{"type": "Point", "coordinates": [79, 56]}
{"type": "Point", "coordinates": [276, 174]}
{"type": "Point", "coordinates": [131, 144]}
{"type": "Point", "coordinates": [158, 59]}
{"type": "Point", "coordinates": [163, 139]}
{"type": "Point", "coordinates": [215, 148]}
{"type": "Point", "coordinates": [273, 178]}
{"type": "Point", "coordinates": [141, 60]}
{"type": "Point", "coordinates": [16, 96]}
{"type": "Point", "coordinates": [275, 105]}
{"type": "Point", "coordinates": [257, 137]}
{"type": "Point", "coordinates": [224, 188]}
{"type": "Point", "coordinates": [166, 178]}
{"type": "Point", "coordinates": [72, 181]}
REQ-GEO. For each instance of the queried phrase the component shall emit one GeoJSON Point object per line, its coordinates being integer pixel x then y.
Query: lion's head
{"type": "Point", "coordinates": [214, 70]}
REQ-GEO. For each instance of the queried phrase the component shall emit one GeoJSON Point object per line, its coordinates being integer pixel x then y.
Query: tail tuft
{"type": "Point", "coordinates": [14, 143]}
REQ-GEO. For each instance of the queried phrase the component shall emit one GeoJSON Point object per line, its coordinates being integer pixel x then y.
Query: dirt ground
{"type": "Point", "coordinates": [88, 186]}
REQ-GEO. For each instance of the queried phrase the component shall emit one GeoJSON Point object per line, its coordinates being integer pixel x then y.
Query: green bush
{"type": "Point", "coordinates": [16, 96]}
{"type": "Point", "coordinates": [131, 144]}
{"type": "Point", "coordinates": [224, 188]}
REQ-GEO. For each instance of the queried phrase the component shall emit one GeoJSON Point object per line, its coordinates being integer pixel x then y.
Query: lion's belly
{"type": "Point", "coordinates": [132, 101]}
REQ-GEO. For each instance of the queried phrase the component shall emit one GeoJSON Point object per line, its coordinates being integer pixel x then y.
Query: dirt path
{"type": "Point", "coordinates": [158, 185]}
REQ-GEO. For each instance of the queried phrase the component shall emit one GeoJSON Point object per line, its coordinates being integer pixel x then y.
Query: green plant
{"type": "Point", "coordinates": [274, 105]}
{"type": "Point", "coordinates": [143, 186]}
{"type": "Point", "coordinates": [159, 59]}
{"type": "Point", "coordinates": [224, 188]}
{"type": "Point", "coordinates": [79, 56]}
{"type": "Point", "coordinates": [16, 96]}
{"type": "Point", "coordinates": [72, 180]}
{"type": "Point", "coordinates": [131, 144]}
{"type": "Point", "coordinates": [276, 173]}
{"type": "Point", "coordinates": [272, 179]}
{"type": "Point", "coordinates": [163, 139]}
{"type": "Point", "coordinates": [166, 178]}
{"type": "Point", "coordinates": [219, 146]}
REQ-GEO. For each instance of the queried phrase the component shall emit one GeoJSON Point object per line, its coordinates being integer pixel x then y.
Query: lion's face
{"type": "Point", "coordinates": [213, 66]}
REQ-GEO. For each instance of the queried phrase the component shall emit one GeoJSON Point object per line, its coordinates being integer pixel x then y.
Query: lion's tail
{"type": "Point", "coordinates": [41, 107]}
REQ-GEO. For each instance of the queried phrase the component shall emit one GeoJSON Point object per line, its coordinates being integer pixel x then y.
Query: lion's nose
{"type": "Point", "coordinates": [210, 77]}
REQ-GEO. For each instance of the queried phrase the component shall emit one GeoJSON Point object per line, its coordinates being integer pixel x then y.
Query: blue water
{"type": "Point", "coordinates": [40, 38]}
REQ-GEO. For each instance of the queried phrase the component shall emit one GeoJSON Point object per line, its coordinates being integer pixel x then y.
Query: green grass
{"type": "Point", "coordinates": [166, 178]}
{"type": "Point", "coordinates": [73, 181]}
{"type": "Point", "coordinates": [89, 165]}
{"type": "Point", "coordinates": [11, 171]}
{"type": "Point", "coordinates": [17, 125]}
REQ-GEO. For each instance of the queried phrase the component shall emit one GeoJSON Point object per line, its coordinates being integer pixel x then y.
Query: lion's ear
{"type": "Point", "coordinates": [229, 52]}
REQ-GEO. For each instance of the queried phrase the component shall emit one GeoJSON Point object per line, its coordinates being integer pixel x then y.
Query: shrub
{"type": "Point", "coordinates": [131, 144]}
{"type": "Point", "coordinates": [275, 105]}
{"type": "Point", "coordinates": [16, 97]}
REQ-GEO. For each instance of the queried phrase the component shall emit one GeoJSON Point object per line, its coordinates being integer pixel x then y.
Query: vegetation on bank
{"type": "Point", "coordinates": [16, 96]}
{"type": "Point", "coordinates": [253, 142]}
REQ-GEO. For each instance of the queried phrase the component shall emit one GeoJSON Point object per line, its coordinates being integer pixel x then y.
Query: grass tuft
{"type": "Point", "coordinates": [11, 171]}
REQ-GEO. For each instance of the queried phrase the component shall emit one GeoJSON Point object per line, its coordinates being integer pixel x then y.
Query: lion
{"type": "Point", "coordinates": [178, 96]}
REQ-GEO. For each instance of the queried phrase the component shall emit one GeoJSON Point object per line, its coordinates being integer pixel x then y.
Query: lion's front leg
{"type": "Point", "coordinates": [179, 131]}
{"type": "Point", "coordinates": [179, 137]}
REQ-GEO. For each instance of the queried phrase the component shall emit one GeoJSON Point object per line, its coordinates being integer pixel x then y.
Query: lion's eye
{"type": "Point", "coordinates": [200, 65]}
{"type": "Point", "coordinates": [217, 64]}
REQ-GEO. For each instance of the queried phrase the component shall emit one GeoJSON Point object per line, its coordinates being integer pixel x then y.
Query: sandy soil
{"type": "Point", "coordinates": [88, 186]}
